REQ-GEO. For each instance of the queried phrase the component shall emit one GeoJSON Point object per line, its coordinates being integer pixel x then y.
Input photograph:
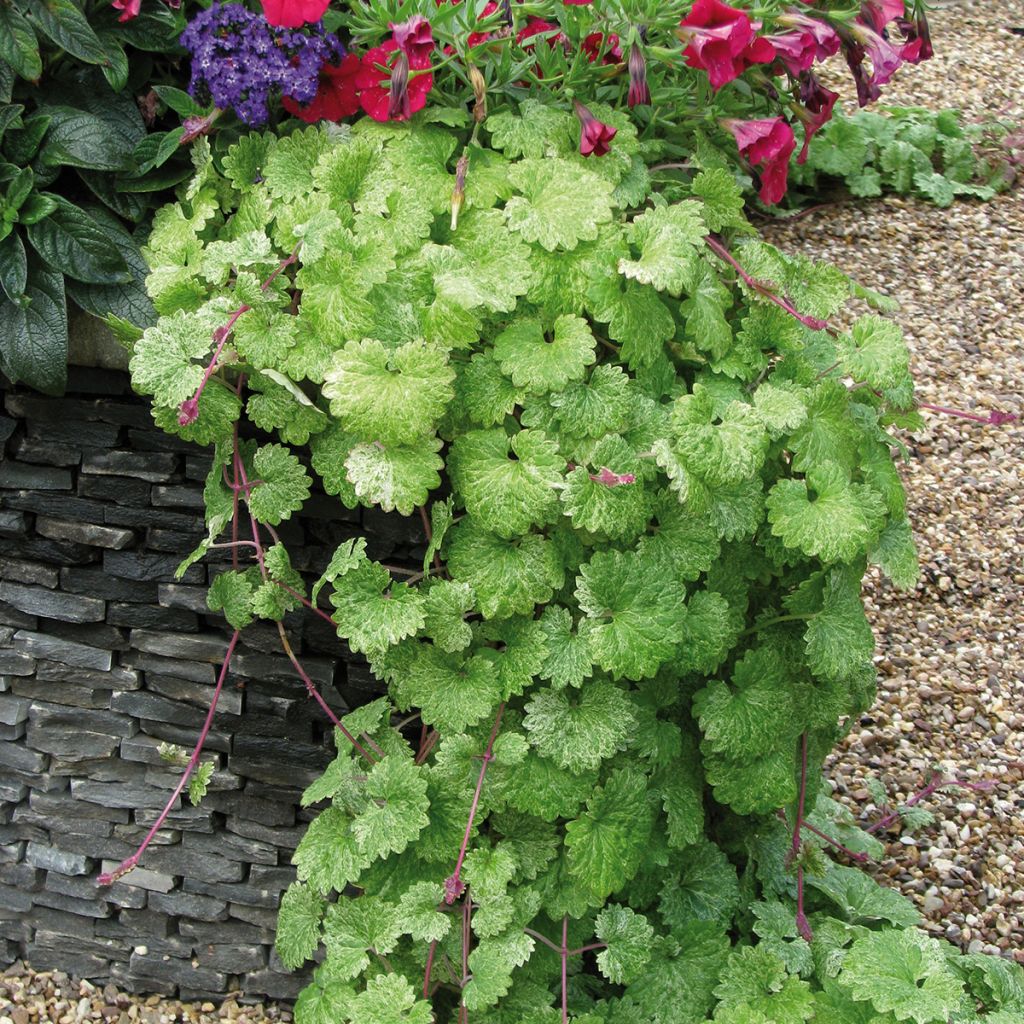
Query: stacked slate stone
{"type": "Point", "coordinates": [104, 658]}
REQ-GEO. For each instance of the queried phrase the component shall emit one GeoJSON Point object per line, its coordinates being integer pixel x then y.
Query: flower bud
{"type": "Point", "coordinates": [476, 79]}
{"type": "Point", "coordinates": [595, 136]}
{"type": "Point", "coordinates": [459, 192]}
{"type": "Point", "coordinates": [639, 92]}
{"type": "Point", "coordinates": [399, 108]}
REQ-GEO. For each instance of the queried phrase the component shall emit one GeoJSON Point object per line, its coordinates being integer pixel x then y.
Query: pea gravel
{"type": "Point", "coordinates": [951, 652]}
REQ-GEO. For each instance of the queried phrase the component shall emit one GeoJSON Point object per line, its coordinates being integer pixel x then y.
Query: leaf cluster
{"type": "Point", "coordinates": [654, 495]}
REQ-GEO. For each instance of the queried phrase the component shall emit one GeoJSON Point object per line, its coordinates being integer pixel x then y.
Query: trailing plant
{"type": "Point", "coordinates": [80, 169]}
{"type": "Point", "coordinates": [592, 790]}
{"type": "Point", "coordinates": [929, 154]}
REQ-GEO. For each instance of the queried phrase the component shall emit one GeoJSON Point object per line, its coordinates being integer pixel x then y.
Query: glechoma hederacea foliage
{"type": "Point", "coordinates": [653, 474]}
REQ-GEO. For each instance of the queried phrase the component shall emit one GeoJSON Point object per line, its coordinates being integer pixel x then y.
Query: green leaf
{"type": "Point", "coordinates": [634, 608]}
{"type": "Point", "coordinates": [540, 360]}
{"type": "Point", "coordinates": [579, 730]}
{"type": "Point", "coordinates": [825, 515]}
{"type": "Point", "coordinates": [667, 238]}
{"type": "Point", "coordinates": [507, 484]}
{"type": "Point", "coordinates": [559, 203]}
{"type": "Point", "coordinates": [508, 577]}
{"type": "Point", "coordinates": [279, 404]}
{"type": "Point", "coordinates": [18, 44]}
{"type": "Point", "coordinates": [452, 691]}
{"type": "Point", "coordinates": [445, 607]}
{"type": "Point", "coordinates": [396, 811]}
{"type": "Point", "coordinates": [636, 318]}
{"type": "Point", "coordinates": [355, 928]}
{"type": "Point", "coordinates": [618, 510]}
{"type": "Point", "coordinates": [536, 131]}
{"type": "Point", "coordinates": [34, 333]}
{"type": "Point", "coordinates": [394, 397]}
{"type": "Point", "coordinates": [13, 266]}
{"type": "Point", "coordinates": [491, 965]}
{"type": "Point", "coordinates": [705, 889]}
{"type": "Point", "coordinates": [397, 477]}
{"type": "Point", "coordinates": [199, 781]}
{"type": "Point", "coordinates": [327, 855]}
{"type": "Point", "coordinates": [903, 972]}
{"type": "Point", "coordinates": [72, 242]}
{"type": "Point", "coordinates": [298, 924]}
{"type": "Point", "coordinates": [390, 999]}
{"type": "Point", "coordinates": [78, 138]}
{"type": "Point", "coordinates": [280, 486]}
{"type": "Point", "coordinates": [568, 661]}
{"type": "Point", "coordinates": [485, 393]}
{"type": "Point", "coordinates": [896, 554]}
{"type": "Point", "coordinates": [419, 914]}
{"type": "Point", "coordinates": [607, 843]}
{"type": "Point", "coordinates": [874, 352]}
{"type": "Point", "coordinates": [325, 1003]}
{"type": "Point", "coordinates": [372, 612]}
{"type": "Point", "coordinates": [350, 554]}
{"type": "Point", "coordinates": [839, 637]}
{"type": "Point", "coordinates": [721, 197]}
{"type": "Point", "coordinates": [627, 936]}
{"type": "Point", "coordinates": [861, 900]}
{"type": "Point", "coordinates": [62, 22]}
{"type": "Point", "coordinates": [232, 593]}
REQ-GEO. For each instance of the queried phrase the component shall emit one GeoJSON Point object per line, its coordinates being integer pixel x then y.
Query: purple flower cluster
{"type": "Point", "coordinates": [241, 62]}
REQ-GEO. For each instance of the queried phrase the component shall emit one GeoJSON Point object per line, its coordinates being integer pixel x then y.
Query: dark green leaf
{"type": "Point", "coordinates": [9, 114]}
{"type": "Point", "coordinates": [128, 301]}
{"type": "Point", "coordinates": [19, 188]}
{"type": "Point", "coordinates": [36, 207]}
{"type": "Point", "coordinates": [125, 204]}
{"type": "Point", "coordinates": [18, 44]}
{"type": "Point", "coordinates": [156, 181]}
{"type": "Point", "coordinates": [13, 266]}
{"type": "Point", "coordinates": [156, 149]}
{"type": "Point", "coordinates": [116, 71]}
{"type": "Point", "coordinates": [72, 242]}
{"type": "Point", "coordinates": [78, 138]}
{"type": "Point", "coordinates": [21, 144]}
{"type": "Point", "coordinates": [68, 27]}
{"type": "Point", "coordinates": [179, 101]}
{"type": "Point", "coordinates": [34, 336]}
{"type": "Point", "coordinates": [155, 30]}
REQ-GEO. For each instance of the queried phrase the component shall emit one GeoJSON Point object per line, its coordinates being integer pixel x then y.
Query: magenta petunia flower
{"type": "Point", "coordinates": [293, 13]}
{"type": "Point", "coordinates": [596, 136]}
{"type": "Point", "coordinates": [766, 144]}
{"type": "Point", "coordinates": [415, 38]}
{"type": "Point", "coordinates": [878, 13]}
{"type": "Point", "coordinates": [918, 45]}
{"type": "Point", "coordinates": [336, 97]}
{"type": "Point", "coordinates": [722, 41]}
{"type": "Point", "coordinates": [129, 8]}
{"type": "Point", "coordinates": [825, 38]}
{"type": "Point", "coordinates": [796, 50]}
{"type": "Point", "coordinates": [596, 41]}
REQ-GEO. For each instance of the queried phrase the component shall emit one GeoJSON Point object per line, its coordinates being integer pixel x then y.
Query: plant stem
{"type": "Point", "coordinates": [453, 886]}
{"type": "Point", "coordinates": [588, 949]}
{"type": "Point", "coordinates": [307, 603]}
{"type": "Point", "coordinates": [801, 617]}
{"type": "Point", "coordinates": [565, 969]}
{"type": "Point", "coordinates": [131, 862]}
{"type": "Point", "coordinates": [802, 924]}
{"type": "Point", "coordinates": [430, 967]}
{"type": "Point", "coordinates": [543, 938]}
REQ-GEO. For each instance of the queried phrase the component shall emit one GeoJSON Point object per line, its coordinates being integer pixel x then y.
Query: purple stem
{"type": "Point", "coordinates": [761, 288]}
{"type": "Point", "coordinates": [587, 949]}
{"type": "Point", "coordinates": [453, 885]}
{"type": "Point", "coordinates": [937, 781]}
{"type": "Point", "coordinates": [130, 863]}
{"type": "Point", "coordinates": [802, 924]}
{"type": "Point", "coordinates": [861, 858]}
{"type": "Point", "coordinates": [430, 967]}
{"type": "Point", "coordinates": [994, 418]}
{"type": "Point", "coordinates": [565, 969]}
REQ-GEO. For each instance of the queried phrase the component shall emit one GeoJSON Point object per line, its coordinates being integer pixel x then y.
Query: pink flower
{"type": "Point", "coordinates": [878, 13]}
{"type": "Point", "coordinates": [721, 41]}
{"type": "Point", "coordinates": [825, 38]}
{"type": "Point", "coordinates": [293, 13]}
{"type": "Point", "coordinates": [596, 136]}
{"type": "Point", "coordinates": [767, 144]}
{"type": "Point", "coordinates": [415, 38]}
{"type": "Point", "coordinates": [129, 8]}
{"type": "Point", "coordinates": [797, 50]}
{"type": "Point", "coordinates": [404, 94]}
{"type": "Point", "coordinates": [639, 91]}
{"type": "Point", "coordinates": [188, 412]}
{"type": "Point", "coordinates": [593, 44]}
{"type": "Point", "coordinates": [336, 97]}
{"type": "Point", "coordinates": [534, 26]}
{"type": "Point", "coordinates": [609, 479]}
{"type": "Point", "coordinates": [817, 111]}
{"type": "Point", "coordinates": [918, 45]}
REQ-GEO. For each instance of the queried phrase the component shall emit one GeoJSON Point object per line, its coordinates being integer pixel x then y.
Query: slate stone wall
{"type": "Point", "coordinates": [103, 658]}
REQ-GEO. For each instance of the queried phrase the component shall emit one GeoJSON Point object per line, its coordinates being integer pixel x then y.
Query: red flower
{"type": "Point", "coordinates": [722, 41]}
{"type": "Point", "coordinates": [825, 38]}
{"type": "Point", "coordinates": [878, 13]}
{"type": "Point", "coordinates": [534, 26]}
{"type": "Point", "coordinates": [403, 95]}
{"type": "Point", "coordinates": [918, 45]}
{"type": "Point", "coordinates": [593, 44]}
{"type": "Point", "coordinates": [818, 103]}
{"type": "Point", "coordinates": [415, 38]}
{"type": "Point", "coordinates": [128, 8]}
{"type": "Point", "coordinates": [337, 96]}
{"type": "Point", "coordinates": [767, 144]}
{"type": "Point", "coordinates": [475, 38]}
{"type": "Point", "coordinates": [293, 13]}
{"type": "Point", "coordinates": [596, 136]}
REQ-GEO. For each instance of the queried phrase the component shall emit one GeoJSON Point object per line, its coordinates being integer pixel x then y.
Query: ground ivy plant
{"type": "Point", "coordinates": [652, 474]}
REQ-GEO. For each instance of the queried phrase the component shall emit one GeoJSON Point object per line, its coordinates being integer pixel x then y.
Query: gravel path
{"type": "Point", "coordinates": [951, 654]}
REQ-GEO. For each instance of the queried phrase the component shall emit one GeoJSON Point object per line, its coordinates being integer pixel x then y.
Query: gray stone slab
{"type": "Point", "coordinates": [115, 515]}
{"type": "Point", "coordinates": [12, 522]}
{"type": "Point", "coordinates": [141, 566]}
{"type": "Point", "coordinates": [71, 745]}
{"type": "Point", "coordinates": [191, 905]}
{"type": "Point", "coordinates": [62, 693]}
{"type": "Point", "coordinates": [149, 616]}
{"type": "Point", "coordinates": [208, 647]}
{"type": "Point", "coordinates": [203, 934]}
{"type": "Point", "coordinates": [179, 595]}
{"type": "Point", "coordinates": [13, 709]}
{"type": "Point", "coordinates": [117, 678]}
{"type": "Point", "coordinates": [83, 435]}
{"type": "Point", "coordinates": [13, 755]}
{"type": "Point", "coordinates": [41, 645]}
{"type": "Point", "coordinates": [195, 671]}
{"type": "Point", "coordinates": [118, 794]}
{"type": "Point", "coordinates": [252, 808]}
{"type": "Point", "coordinates": [36, 478]}
{"type": "Point", "coordinates": [96, 583]}
{"type": "Point", "coordinates": [109, 722]}
{"type": "Point", "coordinates": [203, 866]}
{"type": "Point", "coordinates": [87, 889]}
{"type": "Point", "coordinates": [14, 663]}
{"type": "Point", "coordinates": [52, 604]}
{"type": "Point", "coordinates": [229, 702]}
{"type": "Point", "coordinates": [244, 893]}
{"type": "Point", "coordinates": [156, 467]}
{"type": "Point", "coordinates": [64, 805]}
{"type": "Point", "coordinates": [122, 977]}
{"type": "Point", "coordinates": [122, 490]}
{"type": "Point", "coordinates": [83, 908]}
{"type": "Point", "coordinates": [47, 453]}
{"type": "Point", "coordinates": [277, 986]}
{"type": "Point", "coordinates": [17, 570]}
{"type": "Point", "coordinates": [80, 965]}
{"type": "Point", "coordinates": [142, 704]}
{"type": "Point", "coordinates": [140, 878]}
{"type": "Point", "coordinates": [233, 959]}
{"type": "Point", "coordinates": [9, 733]}
{"type": "Point", "coordinates": [112, 537]}
{"type": "Point", "coordinates": [187, 818]}
{"type": "Point", "coordinates": [186, 737]}
{"type": "Point", "coordinates": [234, 847]}
{"type": "Point", "coordinates": [284, 838]}
{"type": "Point", "coordinates": [56, 825]}
{"type": "Point", "coordinates": [61, 861]}
{"type": "Point", "coordinates": [178, 496]}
